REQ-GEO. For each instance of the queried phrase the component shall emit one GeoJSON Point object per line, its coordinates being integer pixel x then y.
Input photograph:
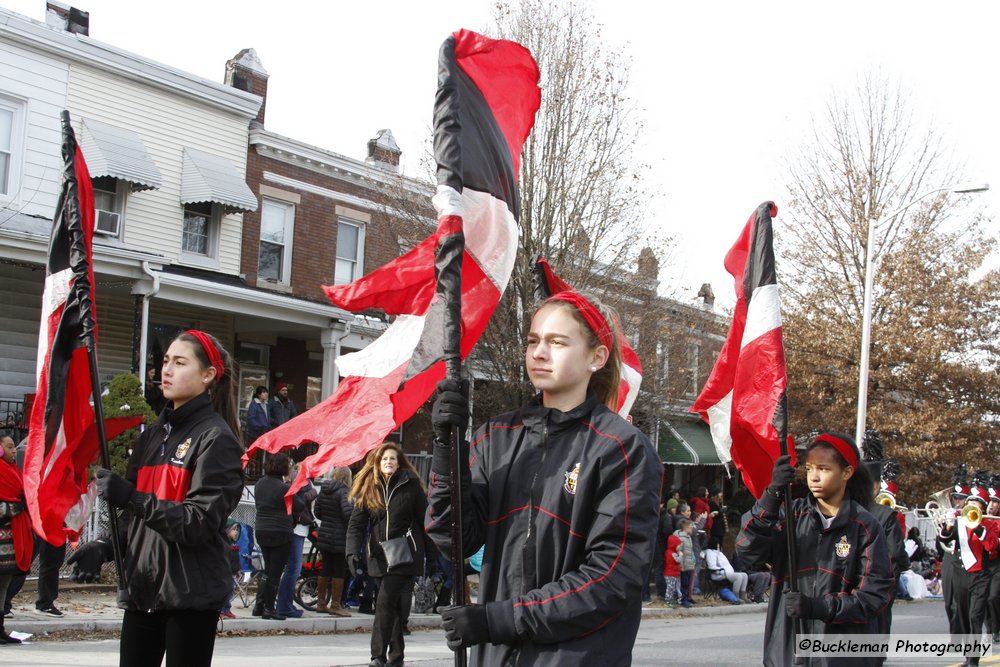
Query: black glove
{"type": "Point", "coordinates": [354, 564]}
{"type": "Point", "coordinates": [802, 606]}
{"type": "Point", "coordinates": [980, 531]}
{"type": "Point", "coordinates": [87, 561]}
{"type": "Point", "coordinates": [115, 489]}
{"type": "Point", "coordinates": [465, 626]}
{"type": "Point", "coordinates": [782, 474]}
{"type": "Point", "coordinates": [451, 408]}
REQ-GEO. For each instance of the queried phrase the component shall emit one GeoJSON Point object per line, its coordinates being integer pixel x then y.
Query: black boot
{"type": "Point", "coordinates": [4, 637]}
{"type": "Point", "coordinates": [258, 602]}
{"type": "Point", "coordinates": [269, 612]}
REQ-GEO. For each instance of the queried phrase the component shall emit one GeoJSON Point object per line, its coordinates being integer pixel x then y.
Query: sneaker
{"type": "Point", "coordinates": [49, 611]}
{"type": "Point", "coordinates": [227, 614]}
{"type": "Point", "coordinates": [8, 614]}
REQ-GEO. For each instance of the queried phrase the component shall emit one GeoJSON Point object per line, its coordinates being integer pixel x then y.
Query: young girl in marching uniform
{"type": "Point", "coordinates": [844, 574]}
{"type": "Point", "coordinates": [565, 495]}
{"type": "Point", "coordinates": [184, 479]}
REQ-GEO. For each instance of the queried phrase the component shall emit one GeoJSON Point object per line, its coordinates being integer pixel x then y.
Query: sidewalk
{"type": "Point", "coordinates": [92, 608]}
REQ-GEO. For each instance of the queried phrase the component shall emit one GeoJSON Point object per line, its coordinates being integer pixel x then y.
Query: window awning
{"type": "Point", "coordinates": [687, 442]}
{"type": "Point", "coordinates": [118, 153]}
{"type": "Point", "coordinates": [210, 178]}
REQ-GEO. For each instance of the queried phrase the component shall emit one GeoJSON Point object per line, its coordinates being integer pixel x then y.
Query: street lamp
{"type": "Point", "coordinates": [866, 319]}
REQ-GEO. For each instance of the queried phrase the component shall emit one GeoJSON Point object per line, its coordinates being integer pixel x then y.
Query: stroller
{"type": "Point", "coordinates": [312, 566]}
{"type": "Point", "coordinates": [250, 564]}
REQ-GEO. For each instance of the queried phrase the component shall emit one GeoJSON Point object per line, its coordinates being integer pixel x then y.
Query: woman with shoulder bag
{"type": "Point", "coordinates": [389, 495]}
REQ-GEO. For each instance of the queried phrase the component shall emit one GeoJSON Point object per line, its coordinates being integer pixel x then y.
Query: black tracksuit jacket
{"type": "Point", "coordinates": [846, 566]}
{"type": "Point", "coordinates": [567, 504]}
{"type": "Point", "coordinates": [188, 475]}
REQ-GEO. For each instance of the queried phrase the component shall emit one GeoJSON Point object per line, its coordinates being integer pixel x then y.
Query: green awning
{"type": "Point", "coordinates": [687, 442]}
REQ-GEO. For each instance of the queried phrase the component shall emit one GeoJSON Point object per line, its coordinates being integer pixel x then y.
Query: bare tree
{"type": "Point", "coordinates": [582, 193]}
{"type": "Point", "coordinates": [935, 323]}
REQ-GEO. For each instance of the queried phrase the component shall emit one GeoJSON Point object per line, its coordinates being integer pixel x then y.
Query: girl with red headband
{"type": "Point", "coordinates": [844, 574]}
{"type": "Point", "coordinates": [564, 494]}
{"type": "Point", "coordinates": [184, 479]}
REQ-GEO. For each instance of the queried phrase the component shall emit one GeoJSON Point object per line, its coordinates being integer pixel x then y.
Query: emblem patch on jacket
{"type": "Point", "coordinates": [182, 449]}
{"type": "Point", "coordinates": [571, 476]}
{"type": "Point", "coordinates": [843, 547]}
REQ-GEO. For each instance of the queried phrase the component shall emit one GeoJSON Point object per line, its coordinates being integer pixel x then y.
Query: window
{"type": "Point", "coordinates": [11, 120]}
{"type": "Point", "coordinates": [109, 202]}
{"type": "Point", "coordinates": [693, 353]}
{"type": "Point", "coordinates": [350, 251]}
{"type": "Point", "coordinates": [663, 362]}
{"type": "Point", "coordinates": [277, 220]}
{"type": "Point", "coordinates": [199, 229]}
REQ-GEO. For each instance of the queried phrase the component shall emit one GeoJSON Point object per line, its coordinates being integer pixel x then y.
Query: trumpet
{"type": "Point", "coordinates": [889, 501]}
{"type": "Point", "coordinates": [974, 516]}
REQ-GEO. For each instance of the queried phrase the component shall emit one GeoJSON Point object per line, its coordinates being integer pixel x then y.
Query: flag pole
{"type": "Point", "coordinates": [448, 266]}
{"type": "Point", "coordinates": [793, 559]}
{"type": "Point", "coordinates": [90, 339]}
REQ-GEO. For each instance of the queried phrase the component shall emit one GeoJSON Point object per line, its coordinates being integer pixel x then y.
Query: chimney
{"type": "Point", "coordinates": [648, 267]}
{"type": "Point", "coordinates": [707, 296]}
{"type": "Point", "coordinates": [383, 151]}
{"type": "Point", "coordinates": [61, 16]}
{"type": "Point", "coordinates": [245, 72]}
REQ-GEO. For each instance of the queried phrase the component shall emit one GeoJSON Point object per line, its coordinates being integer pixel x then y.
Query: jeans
{"type": "Point", "coordinates": [687, 585]}
{"type": "Point", "coordinates": [293, 566]}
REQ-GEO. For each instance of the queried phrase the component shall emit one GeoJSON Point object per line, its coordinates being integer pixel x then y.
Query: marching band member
{"type": "Point", "coordinates": [844, 575]}
{"type": "Point", "coordinates": [885, 488]}
{"type": "Point", "coordinates": [975, 539]}
{"type": "Point", "coordinates": [951, 568]}
{"type": "Point", "coordinates": [993, 564]}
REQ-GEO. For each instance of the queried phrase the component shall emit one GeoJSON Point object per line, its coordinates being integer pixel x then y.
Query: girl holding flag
{"type": "Point", "coordinates": [844, 576]}
{"type": "Point", "coordinates": [184, 479]}
{"type": "Point", "coordinates": [564, 494]}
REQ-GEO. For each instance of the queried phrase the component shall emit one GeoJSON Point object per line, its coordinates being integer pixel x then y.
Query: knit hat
{"type": "Point", "coordinates": [672, 504]}
{"type": "Point", "coordinates": [278, 387]}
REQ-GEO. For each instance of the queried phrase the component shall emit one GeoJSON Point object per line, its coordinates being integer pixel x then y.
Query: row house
{"type": "Point", "coordinates": [205, 219]}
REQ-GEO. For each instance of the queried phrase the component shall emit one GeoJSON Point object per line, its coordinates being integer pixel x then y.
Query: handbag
{"type": "Point", "coordinates": [397, 550]}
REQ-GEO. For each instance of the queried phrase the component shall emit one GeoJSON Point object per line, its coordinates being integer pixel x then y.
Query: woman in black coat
{"type": "Point", "coordinates": [390, 500]}
{"type": "Point", "coordinates": [273, 527]}
{"type": "Point", "coordinates": [334, 510]}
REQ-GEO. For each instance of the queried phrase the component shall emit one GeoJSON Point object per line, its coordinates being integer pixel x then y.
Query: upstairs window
{"type": "Point", "coordinates": [277, 221]}
{"type": "Point", "coordinates": [199, 233]}
{"type": "Point", "coordinates": [11, 121]}
{"type": "Point", "coordinates": [109, 202]}
{"type": "Point", "coordinates": [350, 251]}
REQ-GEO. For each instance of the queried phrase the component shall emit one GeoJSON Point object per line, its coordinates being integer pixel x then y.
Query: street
{"type": "Point", "coordinates": [724, 640]}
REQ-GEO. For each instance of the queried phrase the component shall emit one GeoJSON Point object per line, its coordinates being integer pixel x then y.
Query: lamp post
{"type": "Point", "coordinates": [866, 319]}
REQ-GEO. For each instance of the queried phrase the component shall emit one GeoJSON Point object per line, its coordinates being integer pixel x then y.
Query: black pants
{"type": "Point", "coordinates": [334, 564]}
{"type": "Point", "coordinates": [387, 630]}
{"type": "Point", "coordinates": [186, 636]}
{"type": "Point", "coordinates": [947, 587]}
{"type": "Point", "coordinates": [960, 623]}
{"type": "Point", "coordinates": [50, 561]}
{"type": "Point", "coordinates": [993, 606]}
{"type": "Point", "coordinates": [275, 558]}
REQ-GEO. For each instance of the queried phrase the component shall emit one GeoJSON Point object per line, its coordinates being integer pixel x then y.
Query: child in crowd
{"type": "Point", "coordinates": [672, 570]}
{"type": "Point", "coordinates": [683, 533]}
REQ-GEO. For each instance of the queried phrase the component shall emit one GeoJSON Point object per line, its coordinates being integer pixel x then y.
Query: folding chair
{"type": "Point", "coordinates": [250, 565]}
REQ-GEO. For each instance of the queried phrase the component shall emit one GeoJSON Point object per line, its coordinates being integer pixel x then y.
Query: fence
{"type": "Point", "coordinates": [13, 419]}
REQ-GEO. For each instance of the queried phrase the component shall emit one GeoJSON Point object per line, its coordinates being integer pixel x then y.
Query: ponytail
{"type": "Point", "coordinates": [222, 389]}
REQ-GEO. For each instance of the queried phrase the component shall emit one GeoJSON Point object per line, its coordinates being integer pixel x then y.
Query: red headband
{"type": "Point", "coordinates": [591, 315]}
{"type": "Point", "coordinates": [846, 449]}
{"type": "Point", "coordinates": [213, 352]}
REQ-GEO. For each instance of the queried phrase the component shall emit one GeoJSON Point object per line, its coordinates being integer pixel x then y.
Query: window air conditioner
{"type": "Point", "coordinates": [107, 223]}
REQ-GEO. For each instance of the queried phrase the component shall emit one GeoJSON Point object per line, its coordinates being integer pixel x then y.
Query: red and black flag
{"type": "Point", "coordinates": [484, 109]}
{"type": "Point", "coordinates": [62, 435]}
{"type": "Point", "coordinates": [743, 400]}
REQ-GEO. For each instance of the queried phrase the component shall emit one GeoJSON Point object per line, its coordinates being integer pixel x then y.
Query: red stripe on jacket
{"type": "Point", "coordinates": [164, 481]}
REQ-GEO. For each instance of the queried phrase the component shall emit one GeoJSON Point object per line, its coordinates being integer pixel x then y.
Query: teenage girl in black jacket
{"type": "Point", "coordinates": [184, 478]}
{"type": "Point", "coordinates": [334, 510]}
{"type": "Point", "coordinates": [565, 495]}
{"type": "Point", "coordinates": [844, 573]}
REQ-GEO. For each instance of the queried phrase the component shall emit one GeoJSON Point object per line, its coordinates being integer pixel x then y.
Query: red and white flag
{"type": "Point", "coordinates": [485, 107]}
{"type": "Point", "coordinates": [743, 400]}
{"type": "Point", "coordinates": [549, 283]}
{"type": "Point", "coordinates": [62, 434]}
